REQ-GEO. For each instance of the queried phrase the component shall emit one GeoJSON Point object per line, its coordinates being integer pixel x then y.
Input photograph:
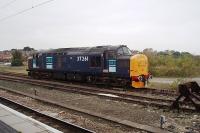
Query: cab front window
{"type": "Point", "coordinates": [120, 51]}
{"type": "Point", "coordinates": [124, 51]}
{"type": "Point", "coordinates": [127, 51]}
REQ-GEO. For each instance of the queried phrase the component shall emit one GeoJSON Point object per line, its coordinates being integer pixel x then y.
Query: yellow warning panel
{"type": "Point", "coordinates": [138, 65]}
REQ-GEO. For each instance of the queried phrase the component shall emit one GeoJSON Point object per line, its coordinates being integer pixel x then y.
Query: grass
{"type": "Point", "coordinates": [158, 85]}
{"type": "Point", "coordinates": [14, 69]}
{"type": "Point", "coordinates": [169, 86]}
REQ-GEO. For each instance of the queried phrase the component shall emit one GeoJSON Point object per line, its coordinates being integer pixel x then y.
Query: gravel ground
{"type": "Point", "coordinates": [176, 122]}
{"type": "Point", "coordinates": [163, 96]}
{"type": "Point", "coordinates": [100, 126]}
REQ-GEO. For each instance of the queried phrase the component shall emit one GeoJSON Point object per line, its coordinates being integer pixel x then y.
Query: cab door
{"type": "Point", "coordinates": [110, 62]}
{"type": "Point", "coordinates": [36, 61]}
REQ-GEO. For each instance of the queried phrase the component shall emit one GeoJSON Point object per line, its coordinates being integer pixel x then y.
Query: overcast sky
{"type": "Point", "coordinates": [139, 24]}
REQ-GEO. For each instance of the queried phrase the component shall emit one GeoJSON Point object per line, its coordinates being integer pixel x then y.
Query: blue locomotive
{"type": "Point", "coordinates": [114, 65]}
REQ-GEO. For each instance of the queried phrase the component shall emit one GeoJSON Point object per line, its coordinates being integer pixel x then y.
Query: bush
{"type": "Point", "coordinates": [173, 63]}
{"type": "Point", "coordinates": [17, 58]}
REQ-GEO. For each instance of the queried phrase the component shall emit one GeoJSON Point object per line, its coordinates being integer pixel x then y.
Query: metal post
{"type": "Point", "coordinates": [162, 121]}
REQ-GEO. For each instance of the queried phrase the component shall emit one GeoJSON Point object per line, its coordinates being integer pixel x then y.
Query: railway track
{"type": "Point", "coordinates": [118, 121]}
{"type": "Point", "coordinates": [51, 121]}
{"type": "Point", "coordinates": [143, 90]}
{"type": "Point", "coordinates": [102, 93]}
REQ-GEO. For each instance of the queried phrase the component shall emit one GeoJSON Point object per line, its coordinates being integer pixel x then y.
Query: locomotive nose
{"type": "Point", "coordinates": [138, 70]}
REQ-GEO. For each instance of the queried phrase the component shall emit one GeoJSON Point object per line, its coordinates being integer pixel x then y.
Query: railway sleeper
{"type": "Point", "coordinates": [190, 93]}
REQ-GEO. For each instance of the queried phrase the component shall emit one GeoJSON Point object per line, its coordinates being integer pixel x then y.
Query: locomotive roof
{"type": "Point", "coordinates": [84, 50]}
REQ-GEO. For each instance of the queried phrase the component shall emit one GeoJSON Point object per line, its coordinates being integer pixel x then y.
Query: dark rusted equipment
{"type": "Point", "coordinates": [190, 91]}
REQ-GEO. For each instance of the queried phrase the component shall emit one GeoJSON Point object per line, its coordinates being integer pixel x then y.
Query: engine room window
{"type": "Point", "coordinates": [95, 61]}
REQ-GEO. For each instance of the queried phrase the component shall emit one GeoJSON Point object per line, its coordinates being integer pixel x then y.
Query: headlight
{"type": "Point", "coordinates": [140, 78]}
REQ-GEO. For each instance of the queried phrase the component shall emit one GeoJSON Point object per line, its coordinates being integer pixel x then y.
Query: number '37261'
{"type": "Point", "coordinates": [82, 58]}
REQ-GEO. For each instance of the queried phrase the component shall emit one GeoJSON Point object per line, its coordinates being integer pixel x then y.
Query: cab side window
{"type": "Point", "coordinates": [111, 55]}
{"type": "Point", "coordinates": [95, 61]}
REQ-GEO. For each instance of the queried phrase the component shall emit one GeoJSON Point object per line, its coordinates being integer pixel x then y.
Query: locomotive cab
{"type": "Point", "coordinates": [122, 63]}
{"type": "Point", "coordinates": [136, 64]}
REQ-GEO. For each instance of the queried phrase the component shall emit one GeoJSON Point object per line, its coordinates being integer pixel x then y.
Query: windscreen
{"type": "Point", "coordinates": [124, 51]}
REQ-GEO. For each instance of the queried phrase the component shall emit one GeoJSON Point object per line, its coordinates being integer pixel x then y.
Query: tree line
{"type": "Point", "coordinates": [167, 63]}
{"type": "Point", "coordinates": [172, 63]}
{"type": "Point", "coordinates": [18, 58]}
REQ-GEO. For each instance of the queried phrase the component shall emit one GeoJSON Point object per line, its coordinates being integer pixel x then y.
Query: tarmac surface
{"type": "Point", "coordinates": [4, 128]}
{"type": "Point", "coordinates": [12, 121]}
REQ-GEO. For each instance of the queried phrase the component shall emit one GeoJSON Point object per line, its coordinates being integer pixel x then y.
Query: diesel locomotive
{"type": "Point", "coordinates": [109, 65]}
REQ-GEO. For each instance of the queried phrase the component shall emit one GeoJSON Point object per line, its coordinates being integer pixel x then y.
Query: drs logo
{"type": "Point", "coordinates": [82, 58]}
